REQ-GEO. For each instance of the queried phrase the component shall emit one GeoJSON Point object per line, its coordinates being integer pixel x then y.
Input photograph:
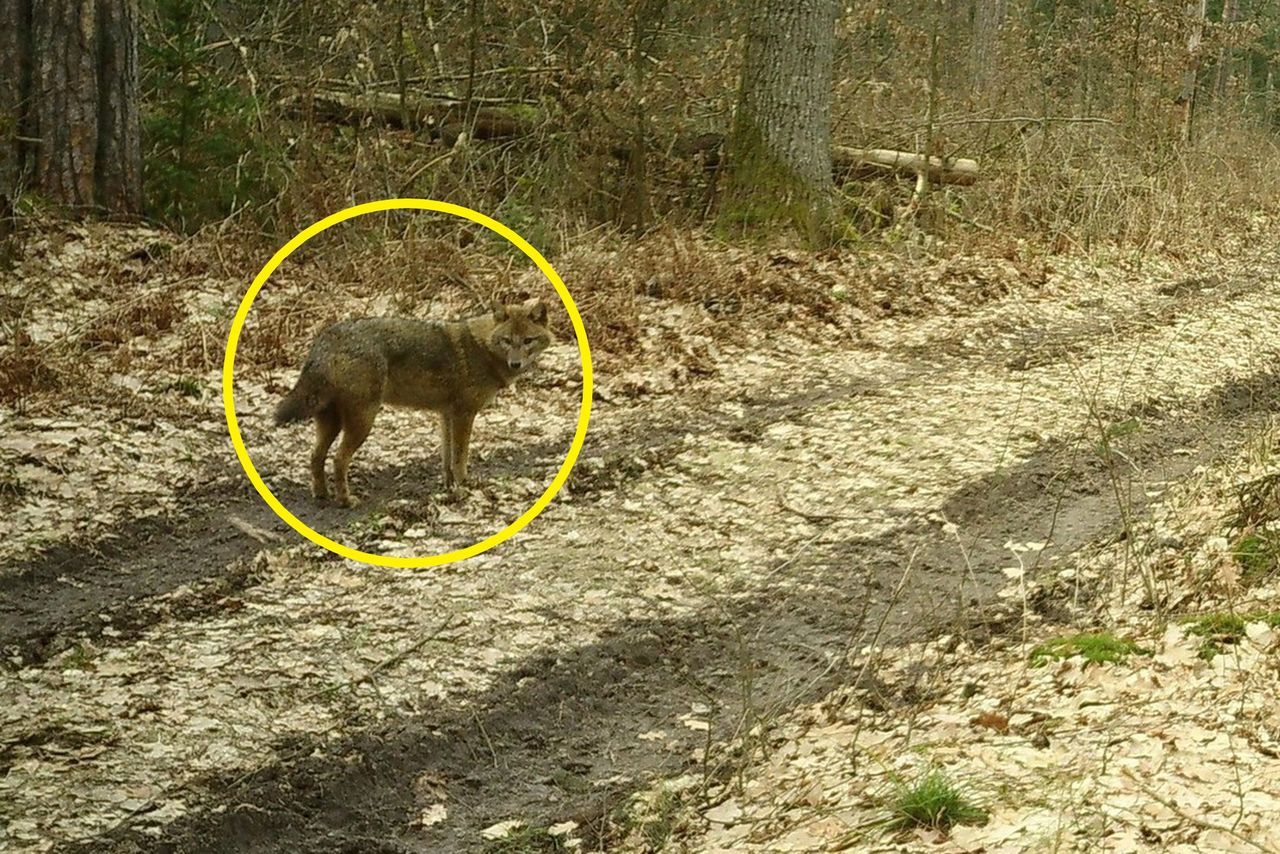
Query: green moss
{"type": "Point", "coordinates": [1222, 630]}
{"type": "Point", "coordinates": [78, 657]}
{"type": "Point", "coordinates": [185, 386]}
{"type": "Point", "coordinates": [647, 820]}
{"type": "Point", "coordinates": [764, 191]}
{"type": "Point", "coordinates": [570, 782]}
{"type": "Point", "coordinates": [525, 112]}
{"type": "Point", "coordinates": [660, 821]}
{"type": "Point", "coordinates": [1094, 648]}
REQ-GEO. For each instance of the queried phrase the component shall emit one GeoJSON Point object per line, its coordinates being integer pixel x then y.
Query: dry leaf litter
{"type": "Point", "coordinates": [879, 432]}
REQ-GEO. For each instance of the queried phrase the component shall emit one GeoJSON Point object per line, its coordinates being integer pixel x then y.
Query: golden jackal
{"type": "Point", "coordinates": [451, 368]}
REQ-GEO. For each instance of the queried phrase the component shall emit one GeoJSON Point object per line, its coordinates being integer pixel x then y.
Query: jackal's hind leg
{"type": "Point", "coordinates": [357, 421]}
{"type": "Point", "coordinates": [328, 425]}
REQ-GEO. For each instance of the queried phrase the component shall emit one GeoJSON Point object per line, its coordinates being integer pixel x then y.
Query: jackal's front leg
{"type": "Point", "coordinates": [460, 433]}
{"type": "Point", "coordinates": [446, 448]}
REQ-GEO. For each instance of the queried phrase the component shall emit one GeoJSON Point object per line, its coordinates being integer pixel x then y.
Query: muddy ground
{"type": "Point", "coordinates": [722, 548]}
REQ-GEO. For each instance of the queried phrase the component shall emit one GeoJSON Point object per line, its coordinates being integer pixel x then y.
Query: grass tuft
{"type": "Point", "coordinates": [527, 840]}
{"type": "Point", "coordinates": [934, 802]}
{"type": "Point", "coordinates": [1257, 555]}
{"type": "Point", "coordinates": [646, 822]}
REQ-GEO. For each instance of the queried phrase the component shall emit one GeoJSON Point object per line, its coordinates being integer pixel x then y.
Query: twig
{"type": "Point", "coordinates": [386, 663]}
{"type": "Point", "coordinates": [954, 215]}
{"type": "Point", "coordinates": [1198, 822]}
{"type": "Point", "coordinates": [871, 642]}
{"type": "Point", "coordinates": [493, 754]}
{"type": "Point", "coordinates": [804, 547]}
{"type": "Point", "coordinates": [251, 530]}
{"type": "Point", "coordinates": [812, 517]}
{"type": "Point", "coordinates": [413, 176]}
{"type": "Point", "coordinates": [490, 72]}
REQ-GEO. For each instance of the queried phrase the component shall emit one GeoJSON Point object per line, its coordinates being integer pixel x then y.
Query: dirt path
{"type": "Point", "coordinates": [723, 549]}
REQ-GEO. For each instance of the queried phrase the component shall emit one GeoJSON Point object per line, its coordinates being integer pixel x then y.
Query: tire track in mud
{"type": "Point", "coordinates": [122, 582]}
{"type": "Point", "coordinates": [558, 736]}
{"type": "Point", "coordinates": [127, 582]}
{"type": "Point", "coordinates": [1047, 341]}
{"type": "Point", "coordinates": [185, 564]}
{"type": "Point", "coordinates": [507, 750]}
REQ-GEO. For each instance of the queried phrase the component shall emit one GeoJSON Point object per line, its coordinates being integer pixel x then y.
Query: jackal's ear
{"type": "Point", "coordinates": [499, 311]}
{"type": "Point", "coordinates": [537, 310]}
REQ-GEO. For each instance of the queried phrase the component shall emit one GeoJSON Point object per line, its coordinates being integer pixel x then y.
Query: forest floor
{"type": "Point", "coordinates": [802, 557]}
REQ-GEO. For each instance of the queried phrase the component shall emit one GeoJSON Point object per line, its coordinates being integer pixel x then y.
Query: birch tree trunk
{"type": "Point", "coordinates": [779, 165]}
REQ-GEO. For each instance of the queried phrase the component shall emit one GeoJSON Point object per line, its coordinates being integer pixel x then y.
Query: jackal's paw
{"type": "Point", "coordinates": [348, 501]}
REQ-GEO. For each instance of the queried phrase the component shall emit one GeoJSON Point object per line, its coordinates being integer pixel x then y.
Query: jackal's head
{"type": "Point", "coordinates": [520, 333]}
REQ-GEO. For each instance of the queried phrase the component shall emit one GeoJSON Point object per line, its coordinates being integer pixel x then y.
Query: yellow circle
{"type": "Point", "coordinates": [228, 392]}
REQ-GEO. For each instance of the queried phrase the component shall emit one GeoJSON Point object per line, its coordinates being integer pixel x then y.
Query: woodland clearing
{"type": "Point", "coordinates": [789, 569]}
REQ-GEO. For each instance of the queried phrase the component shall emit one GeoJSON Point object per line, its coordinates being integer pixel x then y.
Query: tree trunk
{"type": "Point", "coordinates": [920, 199]}
{"type": "Point", "coordinates": [15, 93]}
{"type": "Point", "coordinates": [70, 114]}
{"type": "Point", "coordinates": [118, 175]}
{"type": "Point", "coordinates": [779, 165]}
{"type": "Point", "coordinates": [1222, 77]}
{"type": "Point", "coordinates": [1196, 10]}
{"type": "Point", "coordinates": [636, 210]}
{"type": "Point", "coordinates": [988, 17]}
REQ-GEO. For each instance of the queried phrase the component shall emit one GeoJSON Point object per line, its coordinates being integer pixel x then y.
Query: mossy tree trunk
{"type": "Point", "coordinates": [69, 106]}
{"type": "Point", "coordinates": [779, 164]}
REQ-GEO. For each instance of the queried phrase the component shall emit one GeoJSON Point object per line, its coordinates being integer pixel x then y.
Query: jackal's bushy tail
{"type": "Point", "coordinates": [308, 397]}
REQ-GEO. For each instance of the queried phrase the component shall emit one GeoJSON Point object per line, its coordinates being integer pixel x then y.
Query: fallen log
{"type": "Point", "coordinates": [852, 163]}
{"type": "Point", "coordinates": [869, 162]}
{"type": "Point", "coordinates": [441, 116]}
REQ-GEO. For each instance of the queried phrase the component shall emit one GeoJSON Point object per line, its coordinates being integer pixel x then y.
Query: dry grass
{"type": "Point", "coordinates": [149, 315]}
{"type": "Point", "coordinates": [1086, 185]}
{"type": "Point", "coordinates": [26, 370]}
{"type": "Point", "coordinates": [140, 321]}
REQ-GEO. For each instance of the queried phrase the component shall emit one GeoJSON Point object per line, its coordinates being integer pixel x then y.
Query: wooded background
{"type": "Point", "coordinates": [1061, 122]}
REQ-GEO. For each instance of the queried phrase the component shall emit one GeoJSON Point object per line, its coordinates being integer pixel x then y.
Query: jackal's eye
{"type": "Point", "coordinates": [529, 342]}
